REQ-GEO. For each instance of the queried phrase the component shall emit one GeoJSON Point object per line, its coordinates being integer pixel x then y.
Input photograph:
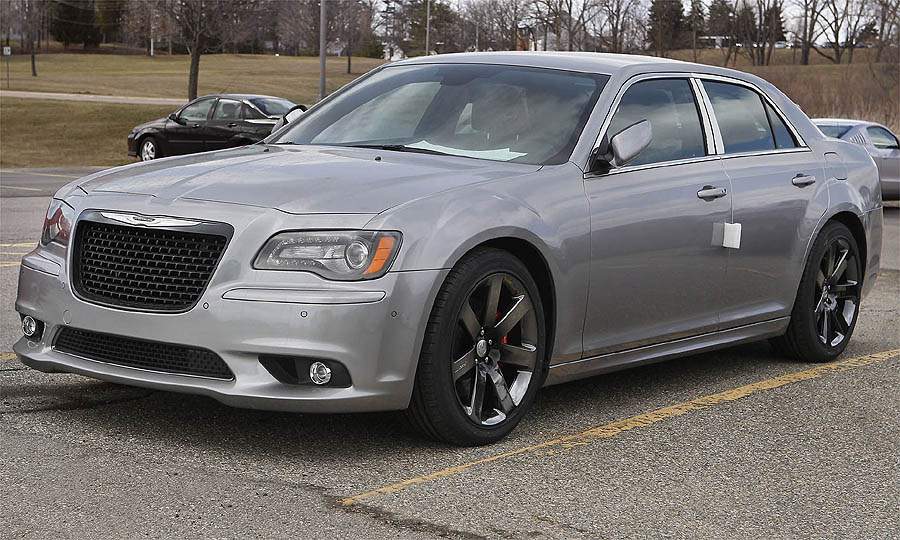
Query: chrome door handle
{"type": "Point", "coordinates": [708, 193]}
{"type": "Point", "coordinates": [232, 124]}
{"type": "Point", "coordinates": [803, 180]}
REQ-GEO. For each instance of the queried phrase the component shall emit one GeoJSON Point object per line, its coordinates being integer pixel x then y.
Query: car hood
{"type": "Point", "coordinates": [158, 123]}
{"type": "Point", "coordinates": [302, 179]}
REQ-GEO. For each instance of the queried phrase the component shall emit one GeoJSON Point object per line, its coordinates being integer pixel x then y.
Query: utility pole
{"type": "Point", "coordinates": [321, 50]}
{"type": "Point", "coordinates": [427, 27]}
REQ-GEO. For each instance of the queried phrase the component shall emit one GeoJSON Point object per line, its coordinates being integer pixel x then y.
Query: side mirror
{"type": "Point", "coordinates": [294, 113]}
{"type": "Point", "coordinates": [630, 142]}
{"type": "Point", "coordinates": [174, 117]}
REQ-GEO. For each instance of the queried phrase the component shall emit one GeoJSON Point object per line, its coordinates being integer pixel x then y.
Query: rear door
{"type": "Point", "coordinates": [225, 126]}
{"type": "Point", "coordinates": [187, 135]}
{"type": "Point", "coordinates": [656, 272]}
{"type": "Point", "coordinates": [776, 184]}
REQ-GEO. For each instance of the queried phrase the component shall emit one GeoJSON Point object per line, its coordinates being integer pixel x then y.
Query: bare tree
{"type": "Point", "coordinates": [841, 22]}
{"type": "Point", "coordinates": [809, 15]}
{"type": "Point", "coordinates": [887, 13]}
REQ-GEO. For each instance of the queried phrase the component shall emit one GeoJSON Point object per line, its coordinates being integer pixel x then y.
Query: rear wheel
{"type": "Point", "coordinates": [482, 359]}
{"type": "Point", "coordinates": [827, 304]}
{"type": "Point", "coordinates": [149, 149]}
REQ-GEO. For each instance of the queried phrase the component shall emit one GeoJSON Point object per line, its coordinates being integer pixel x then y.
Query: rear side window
{"type": "Point", "coordinates": [833, 131]}
{"type": "Point", "coordinates": [670, 107]}
{"type": "Point", "coordinates": [741, 116]}
{"type": "Point", "coordinates": [881, 137]}
{"type": "Point", "coordinates": [783, 137]}
{"type": "Point", "coordinates": [251, 114]}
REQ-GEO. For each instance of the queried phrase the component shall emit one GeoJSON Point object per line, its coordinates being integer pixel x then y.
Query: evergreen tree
{"type": "Point", "coordinates": [75, 21]}
{"type": "Point", "coordinates": [667, 25]}
{"type": "Point", "coordinates": [719, 22]}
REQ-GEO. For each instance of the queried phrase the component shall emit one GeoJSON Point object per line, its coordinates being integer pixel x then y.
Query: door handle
{"type": "Point", "coordinates": [232, 124]}
{"type": "Point", "coordinates": [195, 126]}
{"type": "Point", "coordinates": [803, 180]}
{"type": "Point", "coordinates": [709, 193]}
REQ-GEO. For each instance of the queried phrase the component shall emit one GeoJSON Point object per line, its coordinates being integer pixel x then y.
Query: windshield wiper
{"type": "Point", "coordinates": [398, 148]}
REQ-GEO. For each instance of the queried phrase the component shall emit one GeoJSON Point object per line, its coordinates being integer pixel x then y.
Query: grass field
{"type": "Point", "coordinates": [32, 134]}
{"type": "Point", "coordinates": [295, 78]}
{"type": "Point", "coordinates": [41, 133]}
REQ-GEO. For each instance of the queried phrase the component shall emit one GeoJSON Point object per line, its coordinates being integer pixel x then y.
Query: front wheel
{"type": "Point", "coordinates": [149, 149]}
{"type": "Point", "coordinates": [827, 304]}
{"type": "Point", "coordinates": [482, 359]}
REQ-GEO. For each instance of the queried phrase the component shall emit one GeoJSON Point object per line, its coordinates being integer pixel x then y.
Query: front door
{"type": "Point", "coordinates": [656, 268]}
{"type": "Point", "coordinates": [186, 136]}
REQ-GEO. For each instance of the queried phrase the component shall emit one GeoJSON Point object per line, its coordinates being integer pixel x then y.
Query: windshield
{"type": "Point", "coordinates": [504, 113]}
{"type": "Point", "coordinates": [833, 131]}
{"type": "Point", "coordinates": [272, 106]}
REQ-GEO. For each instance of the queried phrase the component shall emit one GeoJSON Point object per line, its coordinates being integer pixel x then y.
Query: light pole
{"type": "Point", "coordinates": [321, 50]}
{"type": "Point", "coordinates": [427, 27]}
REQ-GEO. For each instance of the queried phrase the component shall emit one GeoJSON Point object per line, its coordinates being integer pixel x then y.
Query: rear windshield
{"type": "Point", "coordinates": [494, 112]}
{"type": "Point", "coordinates": [833, 131]}
{"type": "Point", "coordinates": [273, 106]}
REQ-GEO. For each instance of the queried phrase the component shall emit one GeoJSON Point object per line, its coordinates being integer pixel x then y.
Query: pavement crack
{"type": "Point", "coordinates": [396, 521]}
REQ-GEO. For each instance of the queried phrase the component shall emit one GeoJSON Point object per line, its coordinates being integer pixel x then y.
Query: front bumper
{"type": "Point", "coordinates": [374, 328]}
{"type": "Point", "coordinates": [132, 145]}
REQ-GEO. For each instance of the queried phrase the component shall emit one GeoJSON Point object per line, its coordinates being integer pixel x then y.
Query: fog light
{"type": "Point", "coordinates": [30, 327]}
{"type": "Point", "coordinates": [319, 373]}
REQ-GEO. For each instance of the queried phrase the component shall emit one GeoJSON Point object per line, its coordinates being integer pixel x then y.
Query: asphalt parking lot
{"type": "Point", "coordinates": [732, 444]}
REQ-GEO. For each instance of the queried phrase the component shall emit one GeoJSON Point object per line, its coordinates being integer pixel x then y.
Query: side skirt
{"type": "Point", "coordinates": [606, 363]}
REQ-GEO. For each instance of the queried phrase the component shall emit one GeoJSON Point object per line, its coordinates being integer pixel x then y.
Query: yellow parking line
{"type": "Point", "coordinates": [612, 429]}
{"type": "Point", "coordinates": [9, 264]}
{"type": "Point", "coordinates": [14, 252]}
{"type": "Point", "coordinates": [7, 356]}
{"type": "Point", "coordinates": [20, 244]}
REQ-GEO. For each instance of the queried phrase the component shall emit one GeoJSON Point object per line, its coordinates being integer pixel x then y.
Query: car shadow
{"type": "Point", "coordinates": [173, 420]}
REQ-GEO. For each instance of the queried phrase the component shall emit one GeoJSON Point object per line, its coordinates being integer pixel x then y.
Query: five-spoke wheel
{"type": "Point", "coordinates": [827, 303]}
{"type": "Point", "coordinates": [483, 357]}
{"type": "Point", "coordinates": [494, 349]}
{"type": "Point", "coordinates": [149, 149]}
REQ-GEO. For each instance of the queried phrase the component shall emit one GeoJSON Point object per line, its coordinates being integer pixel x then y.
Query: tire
{"type": "Point", "coordinates": [443, 405]}
{"type": "Point", "coordinates": [151, 145]}
{"type": "Point", "coordinates": [827, 307]}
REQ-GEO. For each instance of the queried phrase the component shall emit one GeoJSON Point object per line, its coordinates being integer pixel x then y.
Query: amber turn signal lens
{"type": "Point", "coordinates": [382, 254]}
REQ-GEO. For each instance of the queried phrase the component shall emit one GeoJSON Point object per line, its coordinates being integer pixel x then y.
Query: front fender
{"type": "Point", "coordinates": [547, 208]}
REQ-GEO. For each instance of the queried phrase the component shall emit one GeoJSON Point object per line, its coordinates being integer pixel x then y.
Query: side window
{"type": "Point", "coordinates": [227, 109]}
{"type": "Point", "coordinates": [197, 111]}
{"type": "Point", "coordinates": [783, 137]}
{"type": "Point", "coordinates": [741, 116]}
{"type": "Point", "coordinates": [670, 107]}
{"type": "Point", "coordinates": [251, 114]}
{"type": "Point", "coordinates": [881, 137]}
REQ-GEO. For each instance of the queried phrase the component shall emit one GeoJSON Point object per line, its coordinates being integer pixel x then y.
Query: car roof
{"type": "Point", "coordinates": [606, 63]}
{"type": "Point", "coordinates": [243, 96]}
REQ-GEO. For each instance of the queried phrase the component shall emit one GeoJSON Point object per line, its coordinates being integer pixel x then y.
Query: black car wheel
{"type": "Point", "coordinates": [149, 149]}
{"type": "Point", "coordinates": [827, 303]}
{"type": "Point", "coordinates": [482, 359]}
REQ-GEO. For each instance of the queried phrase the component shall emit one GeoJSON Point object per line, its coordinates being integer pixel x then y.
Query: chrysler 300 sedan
{"type": "Point", "coordinates": [447, 235]}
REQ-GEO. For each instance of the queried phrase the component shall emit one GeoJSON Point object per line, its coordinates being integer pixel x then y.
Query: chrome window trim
{"type": "Point", "coordinates": [777, 151]}
{"type": "Point", "coordinates": [801, 143]}
{"type": "Point", "coordinates": [633, 168]}
{"type": "Point", "coordinates": [705, 122]}
{"type": "Point", "coordinates": [716, 135]}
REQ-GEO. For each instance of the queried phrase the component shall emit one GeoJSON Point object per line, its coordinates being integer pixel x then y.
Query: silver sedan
{"type": "Point", "coordinates": [447, 235]}
{"type": "Point", "coordinates": [881, 143]}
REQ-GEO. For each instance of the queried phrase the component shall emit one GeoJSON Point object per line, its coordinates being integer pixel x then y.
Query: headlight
{"type": "Point", "coordinates": [339, 255]}
{"type": "Point", "coordinates": [58, 224]}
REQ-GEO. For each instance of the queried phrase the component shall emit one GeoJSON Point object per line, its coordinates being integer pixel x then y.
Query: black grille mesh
{"type": "Point", "coordinates": [139, 353]}
{"type": "Point", "coordinates": [154, 269]}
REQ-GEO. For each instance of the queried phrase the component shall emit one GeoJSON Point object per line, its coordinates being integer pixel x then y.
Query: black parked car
{"type": "Point", "coordinates": [208, 123]}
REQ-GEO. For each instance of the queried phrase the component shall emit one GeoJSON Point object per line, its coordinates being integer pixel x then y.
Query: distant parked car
{"type": "Point", "coordinates": [208, 123]}
{"type": "Point", "coordinates": [881, 143]}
